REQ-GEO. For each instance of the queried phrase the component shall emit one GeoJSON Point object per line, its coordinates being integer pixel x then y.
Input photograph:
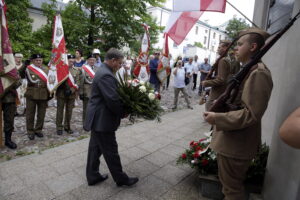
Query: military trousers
{"type": "Point", "coordinates": [84, 106]}
{"type": "Point", "coordinates": [104, 143]}
{"type": "Point", "coordinates": [64, 114]}
{"type": "Point", "coordinates": [9, 110]}
{"type": "Point", "coordinates": [232, 173]}
{"type": "Point", "coordinates": [33, 106]}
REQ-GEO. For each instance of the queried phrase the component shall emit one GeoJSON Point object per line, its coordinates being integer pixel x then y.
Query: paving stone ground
{"type": "Point", "coordinates": [148, 149]}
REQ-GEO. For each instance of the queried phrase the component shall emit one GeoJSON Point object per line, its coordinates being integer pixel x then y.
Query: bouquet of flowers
{"type": "Point", "coordinates": [140, 100]}
{"type": "Point", "coordinates": [200, 156]}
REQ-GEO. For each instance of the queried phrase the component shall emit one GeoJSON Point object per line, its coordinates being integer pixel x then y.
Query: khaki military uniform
{"type": "Point", "coordinates": [37, 96]}
{"type": "Point", "coordinates": [218, 84]}
{"type": "Point", "coordinates": [9, 109]}
{"type": "Point", "coordinates": [85, 89]}
{"type": "Point", "coordinates": [66, 98]}
{"type": "Point", "coordinates": [237, 134]}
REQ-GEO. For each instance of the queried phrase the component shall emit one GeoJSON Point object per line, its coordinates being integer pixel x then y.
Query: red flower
{"type": "Point", "coordinates": [183, 156]}
{"type": "Point", "coordinates": [157, 96]}
{"type": "Point", "coordinates": [196, 155]}
{"type": "Point", "coordinates": [204, 162]}
{"type": "Point", "coordinates": [192, 143]}
{"type": "Point", "coordinates": [198, 148]}
{"type": "Point", "coordinates": [195, 144]}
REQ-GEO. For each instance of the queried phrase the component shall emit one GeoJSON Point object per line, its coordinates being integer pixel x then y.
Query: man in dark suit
{"type": "Point", "coordinates": [104, 113]}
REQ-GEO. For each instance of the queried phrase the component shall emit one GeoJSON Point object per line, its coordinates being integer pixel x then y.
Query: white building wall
{"type": "Point", "coordinates": [282, 180]}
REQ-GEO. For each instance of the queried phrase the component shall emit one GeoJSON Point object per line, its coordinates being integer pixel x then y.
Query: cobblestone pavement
{"type": "Point", "coordinates": [51, 139]}
{"type": "Point", "coordinates": [148, 149]}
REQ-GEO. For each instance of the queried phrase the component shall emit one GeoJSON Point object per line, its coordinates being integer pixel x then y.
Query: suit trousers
{"type": "Point", "coordinates": [104, 143]}
{"type": "Point", "coordinates": [31, 107]}
{"type": "Point", "coordinates": [232, 173]}
{"type": "Point", "coordinates": [195, 81]}
{"type": "Point", "coordinates": [62, 103]}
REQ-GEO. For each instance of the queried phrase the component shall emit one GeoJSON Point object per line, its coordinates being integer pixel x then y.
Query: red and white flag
{"type": "Point", "coordinates": [59, 69]}
{"type": "Point", "coordinates": [141, 69]}
{"type": "Point", "coordinates": [199, 5]}
{"type": "Point", "coordinates": [163, 69]}
{"type": "Point", "coordinates": [180, 23]}
{"type": "Point", "coordinates": [8, 70]}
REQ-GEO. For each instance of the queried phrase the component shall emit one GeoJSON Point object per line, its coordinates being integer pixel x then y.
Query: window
{"type": "Point", "coordinates": [196, 30]}
{"type": "Point", "coordinates": [213, 48]}
{"type": "Point", "coordinates": [220, 38]}
{"type": "Point", "coordinates": [279, 13]}
{"type": "Point", "coordinates": [174, 45]}
{"type": "Point", "coordinates": [214, 36]}
{"type": "Point", "coordinates": [206, 31]}
{"type": "Point", "coordinates": [204, 41]}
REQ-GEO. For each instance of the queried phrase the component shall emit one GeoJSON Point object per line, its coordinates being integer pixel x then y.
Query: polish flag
{"type": "Point", "coordinates": [8, 70]}
{"type": "Point", "coordinates": [59, 69]}
{"type": "Point", "coordinates": [163, 69]}
{"type": "Point", "coordinates": [142, 70]}
{"type": "Point", "coordinates": [199, 5]}
{"type": "Point", "coordinates": [180, 23]}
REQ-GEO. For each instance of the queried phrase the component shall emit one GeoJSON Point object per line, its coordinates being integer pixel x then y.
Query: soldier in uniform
{"type": "Point", "coordinates": [235, 65]}
{"type": "Point", "coordinates": [66, 94]}
{"type": "Point", "coordinates": [37, 96]}
{"type": "Point", "coordinates": [222, 73]}
{"type": "Point", "coordinates": [237, 133]}
{"type": "Point", "coordinates": [9, 109]}
{"type": "Point", "coordinates": [88, 73]}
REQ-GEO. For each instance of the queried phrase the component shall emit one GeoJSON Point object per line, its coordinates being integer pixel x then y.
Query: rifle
{"type": "Point", "coordinates": [222, 104]}
{"type": "Point", "coordinates": [215, 65]}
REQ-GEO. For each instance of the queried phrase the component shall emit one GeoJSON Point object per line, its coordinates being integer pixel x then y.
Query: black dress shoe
{"type": "Point", "coordinates": [70, 131]}
{"type": "Point", "coordinates": [59, 132]}
{"type": "Point", "coordinates": [100, 179]}
{"type": "Point", "coordinates": [40, 135]}
{"type": "Point", "coordinates": [31, 136]}
{"type": "Point", "coordinates": [130, 181]}
{"type": "Point", "coordinates": [10, 144]}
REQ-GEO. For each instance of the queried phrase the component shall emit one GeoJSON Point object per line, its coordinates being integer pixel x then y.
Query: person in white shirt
{"type": "Point", "coordinates": [179, 84]}
{"type": "Point", "coordinates": [196, 69]}
{"type": "Point", "coordinates": [128, 65]}
{"type": "Point", "coordinates": [188, 67]}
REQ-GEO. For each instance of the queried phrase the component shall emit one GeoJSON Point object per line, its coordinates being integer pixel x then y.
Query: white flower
{"type": "Point", "coordinates": [152, 91]}
{"type": "Point", "coordinates": [142, 82]}
{"type": "Point", "coordinates": [151, 96]}
{"type": "Point", "coordinates": [142, 88]}
{"type": "Point", "coordinates": [193, 161]}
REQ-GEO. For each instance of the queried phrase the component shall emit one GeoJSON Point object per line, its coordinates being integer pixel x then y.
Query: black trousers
{"type": "Point", "coordinates": [104, 143]}
{"type": "Point", "coordinates": [194, 81]}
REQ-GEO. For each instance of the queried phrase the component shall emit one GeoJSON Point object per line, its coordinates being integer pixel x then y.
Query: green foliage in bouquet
{"type": "Point", "coordinates": [257, 169]}
{"type": "Point", "coordinates": [139, 100]}
{"type": "Point", "coordinates": [202, 158]}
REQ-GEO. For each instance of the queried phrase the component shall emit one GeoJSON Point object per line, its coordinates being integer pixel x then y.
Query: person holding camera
{"type": "Point", "coordinates": [66, 94]}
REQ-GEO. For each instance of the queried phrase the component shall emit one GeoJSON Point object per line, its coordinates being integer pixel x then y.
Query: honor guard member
{"type": "Point", "coordinates": [222, 74]}
{"type": "Point", "coordinates": [66, 94]}
{"type": "Point", "coordinates": [88, 73]}
{"type": "Point", "coordinates": [37, 96]}
{"type": "Point", "coordinates": [9, 107]}
{"type": "Point", "coordinates": [237, 133]}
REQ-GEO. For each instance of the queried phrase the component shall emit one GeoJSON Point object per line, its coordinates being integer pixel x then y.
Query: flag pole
{"type": "Point", "coordinates": [242, 14]}
{"type": "Point", "coordinates": [1, 130]}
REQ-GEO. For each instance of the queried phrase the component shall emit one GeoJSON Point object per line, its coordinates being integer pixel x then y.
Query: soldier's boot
{"type": "Point", "coordinates": [10, 144]}
{"type": "Point", "coordinates": [31, 136]}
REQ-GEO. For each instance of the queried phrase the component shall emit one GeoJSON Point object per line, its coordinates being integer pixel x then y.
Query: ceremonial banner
{"type": "Point", "coordinates": [59, 69]}
{"type": "Point", "coordinates": [8, 70]}
{"type": "Point", "coordinates": [163, 69]}
{"type": "Point", "coordinates": [141, 69]}
{"type": "Point", "coordinates": [199, 5]}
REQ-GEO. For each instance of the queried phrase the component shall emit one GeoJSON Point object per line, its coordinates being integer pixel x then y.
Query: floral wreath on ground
{"type": "Point", "coordinates": [201, 157]}
{"type": "Point", "coordinates": [140, 100]}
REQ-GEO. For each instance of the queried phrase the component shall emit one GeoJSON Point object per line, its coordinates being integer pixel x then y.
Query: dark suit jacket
{"type": "Point", "coordinates": [105, 108]}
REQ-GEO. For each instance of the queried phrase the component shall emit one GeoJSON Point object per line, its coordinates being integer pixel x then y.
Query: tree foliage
{"type": "Point", "coordinates": [19, 25]}
{"type": "Point", "coordinates": [235, 26]}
